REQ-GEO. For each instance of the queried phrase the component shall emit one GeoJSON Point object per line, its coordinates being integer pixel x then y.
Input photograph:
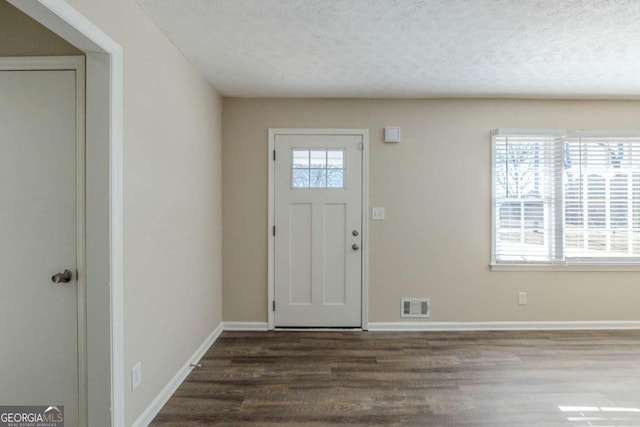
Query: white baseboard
{"type": "Point", "coordinates": [468, 326]}
{"type": "Point", "coordinates": [502, 326]}
{"type": "Point", "coordinates": [156, 404]}
{"type": "Point", "coordinates": [245, 326]}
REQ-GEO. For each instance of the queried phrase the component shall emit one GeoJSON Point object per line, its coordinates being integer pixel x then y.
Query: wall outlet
{"type": "Point", "coordinates": [136, 375]}
{"type": "Point", "coordinates": [522, 298]}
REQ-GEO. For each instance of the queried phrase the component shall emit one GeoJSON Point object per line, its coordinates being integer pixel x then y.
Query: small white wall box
{"type": "Point", "coordinates": [392, 134]}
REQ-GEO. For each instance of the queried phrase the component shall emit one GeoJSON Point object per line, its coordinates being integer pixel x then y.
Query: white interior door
{"type": "Point", "coordinates": [38, 234]}
{"type": "Point", "coordinates": [318, 234]}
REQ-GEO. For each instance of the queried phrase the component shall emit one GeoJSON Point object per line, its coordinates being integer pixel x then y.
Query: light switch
{"type": "Point", "coordinates": [377, 214]}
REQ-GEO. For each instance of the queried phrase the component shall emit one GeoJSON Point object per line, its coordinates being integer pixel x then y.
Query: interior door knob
{"type": "Point", "coordinates": [64, 277]}
{"type": "Point", "coordinates": [355, 247]}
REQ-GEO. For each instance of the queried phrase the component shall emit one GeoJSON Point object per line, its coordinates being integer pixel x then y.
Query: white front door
{"type": "Point", "coordinates": [38, 239]}
{"type": "Point", "coordinates": [318, 230]}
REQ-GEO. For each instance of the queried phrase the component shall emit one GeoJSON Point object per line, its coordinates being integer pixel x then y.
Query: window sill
{"type": "Point", "coordinates": [566, 267]}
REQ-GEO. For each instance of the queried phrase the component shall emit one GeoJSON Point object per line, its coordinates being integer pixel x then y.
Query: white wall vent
{"type": "Point", "coordinates": [415, 307]}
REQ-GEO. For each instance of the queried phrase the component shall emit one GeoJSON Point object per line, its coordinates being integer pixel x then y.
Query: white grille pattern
{"type": "Point", "coordinates": [415, 307]}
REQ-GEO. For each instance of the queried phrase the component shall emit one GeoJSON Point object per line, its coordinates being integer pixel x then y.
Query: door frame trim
{"type": "Point", "coordinates": [77, 65]}
{"type": "Point", "coordinates": [104, 112]}
{"type": "Point", "coordinates": [364, 133]}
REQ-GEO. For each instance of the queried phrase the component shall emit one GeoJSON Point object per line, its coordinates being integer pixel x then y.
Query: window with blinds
{"type": "Point", "coordinates": [565, 197]}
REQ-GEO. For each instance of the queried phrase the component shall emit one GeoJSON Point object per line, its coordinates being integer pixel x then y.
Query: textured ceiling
{"type": "Point", "coordinates": [409, 48]}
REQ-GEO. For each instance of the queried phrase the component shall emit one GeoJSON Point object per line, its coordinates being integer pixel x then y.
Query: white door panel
{"type": "Point", "coordinates": [38, 235]}
{"type": "Point", "coordinates": [318, 218]}
{"type": "Point", "coordinates": [335, 252]}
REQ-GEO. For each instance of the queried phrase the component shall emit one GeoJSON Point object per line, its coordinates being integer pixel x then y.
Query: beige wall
{"type": "Point", "coordinates": [435, 187]}
{"type": "Point", "coordinates": [22, 36]}
{"type": "Point", "coordinates": [172, 200]}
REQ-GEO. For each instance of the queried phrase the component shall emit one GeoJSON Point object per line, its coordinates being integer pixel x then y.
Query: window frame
{"type": "Point", "coordinates": [563, 263]}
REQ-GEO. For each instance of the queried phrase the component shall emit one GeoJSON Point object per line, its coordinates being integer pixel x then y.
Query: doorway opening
{"type": "Point", "coordinates": [103, 183]}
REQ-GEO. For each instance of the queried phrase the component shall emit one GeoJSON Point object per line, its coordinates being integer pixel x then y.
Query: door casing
{"type": "Point", "coordinates": [364, 133]}
{"type": "Point", "coordinates": [104, 209]}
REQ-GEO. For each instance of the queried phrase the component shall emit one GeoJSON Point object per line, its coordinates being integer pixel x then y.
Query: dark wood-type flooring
{"type": "Point", "coordinates": [559, 378]}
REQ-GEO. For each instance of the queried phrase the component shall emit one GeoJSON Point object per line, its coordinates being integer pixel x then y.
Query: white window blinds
{"type": "Point", "coordinates": [602, 197]}
{"type": "Point", "coordinates": [564, 198]}
{"type": "Point", "coordinates": [526, 177]}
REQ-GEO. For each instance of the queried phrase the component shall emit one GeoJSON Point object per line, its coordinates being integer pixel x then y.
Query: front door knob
{"type": "Point", "coordinates": [355, 247]}
{"type": "Point", "coordinates": [64, 277]}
